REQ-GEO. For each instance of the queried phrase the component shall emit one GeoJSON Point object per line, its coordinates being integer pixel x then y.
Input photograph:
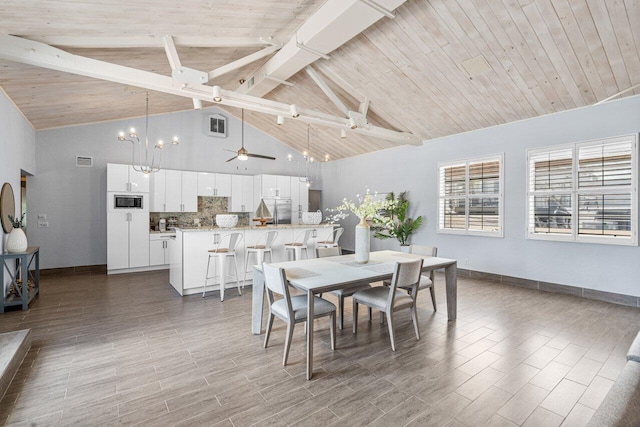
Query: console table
{"type": "Point", "coordinates": [16, 265]}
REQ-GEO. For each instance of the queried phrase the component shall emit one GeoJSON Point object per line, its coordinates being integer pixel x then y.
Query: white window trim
{"type": "Point", "coordinates": [575, 191]}
{"type": "Point", "coordinates": [467, 196]}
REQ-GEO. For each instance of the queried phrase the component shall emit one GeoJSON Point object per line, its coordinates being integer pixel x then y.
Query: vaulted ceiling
{"type": "Point", "coordinates": [539, 57]}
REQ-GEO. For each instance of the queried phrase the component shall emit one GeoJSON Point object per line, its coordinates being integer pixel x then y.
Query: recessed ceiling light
{"type": "Point", "coordinates": [475, 66]}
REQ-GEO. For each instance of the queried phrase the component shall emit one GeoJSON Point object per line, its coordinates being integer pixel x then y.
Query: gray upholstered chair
{"type": "Point", "coordinates": [425, 282]}
{"type": "Point", "coordinates": [260, 249]}
{"type": "Point", "coordinates": [292, 309]}
{"type": "Point", "coordinates": [341, 294]}
{"type": "Point", "coordinates": [300, 244]}
{"type": "Point", "coordinates": [391, 299]}
{"type": "Point", "coordinates": [224, 248]}
{"type": "Point", "coordinates": [332, 240]}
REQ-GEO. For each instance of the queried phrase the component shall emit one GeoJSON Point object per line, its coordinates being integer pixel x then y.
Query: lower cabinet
{"type": "Point", "coordinates": [159, 249]}
{"type": "Point", "coordinates": [127, 240]}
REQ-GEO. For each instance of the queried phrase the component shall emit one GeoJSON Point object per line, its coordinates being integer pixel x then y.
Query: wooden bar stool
{"type": "Point", "coordinates": [224, 249]}
{"type": "Point", "coordinates": [332, 239]}
{"type": "Point", "coordinates": [300, 244]}
{"type": "Point", "coordinates": [260, 249]}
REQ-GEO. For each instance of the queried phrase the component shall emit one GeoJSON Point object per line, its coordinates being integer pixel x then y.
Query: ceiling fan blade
{"type": "Point", "coordinates": [259, 156]}
{"type": "Point", "coordinates": [233, 158]}
{"type": "Point", "coordinates": [231, 151]}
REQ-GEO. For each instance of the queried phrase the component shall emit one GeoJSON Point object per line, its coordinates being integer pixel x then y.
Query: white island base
{"type": "Point", "coordinates": [189, 254]}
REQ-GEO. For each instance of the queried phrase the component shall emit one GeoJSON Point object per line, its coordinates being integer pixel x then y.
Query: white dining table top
{"type": "Point", "coordinates": [324, 274]}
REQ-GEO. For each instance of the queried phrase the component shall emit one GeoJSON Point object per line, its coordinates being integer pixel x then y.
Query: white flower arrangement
{"type": "Point", "coordinates": [367, 207]}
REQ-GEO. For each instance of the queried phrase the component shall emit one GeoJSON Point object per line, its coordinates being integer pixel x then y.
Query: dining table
{"type": "Point", "coordinates": [320, 275]}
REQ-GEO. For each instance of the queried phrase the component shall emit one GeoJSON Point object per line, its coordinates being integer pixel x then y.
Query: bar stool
{"type": "Point", "coordinates": [224, 249]}
{"type": "Point", "coordinates": [332, 239]}
{"type": "Point", "coordinates": [299, 244]}
{"type": "Point", "coordinates": [260, 249]}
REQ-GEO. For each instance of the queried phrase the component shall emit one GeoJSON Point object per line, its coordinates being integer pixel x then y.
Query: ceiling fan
{"type": "Point", "coordinates": [242, 154]}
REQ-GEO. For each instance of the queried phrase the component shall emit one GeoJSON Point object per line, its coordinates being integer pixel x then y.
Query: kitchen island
{"type": "Point", "coordinates": [189, 252]}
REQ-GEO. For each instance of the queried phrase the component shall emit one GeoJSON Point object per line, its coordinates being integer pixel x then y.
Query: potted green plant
{"type": "Point", "coordinates": [394, 222]}
{"type": "Point", "coordinates": [17, 240]}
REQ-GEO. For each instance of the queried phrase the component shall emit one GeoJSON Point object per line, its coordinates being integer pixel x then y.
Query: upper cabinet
{"type": "Point", "coordinates": [174, 191]}
{"type": "Point", "coordinates": [123, 178]}
{"type": "Point", "coordinates": [299, 195]}
{"type": "Point", "coordinates": [272, 186]}
{"type": "Point", "coordinates": [214, 184]}
{"type": "Point", "coordinates": [241, 194]}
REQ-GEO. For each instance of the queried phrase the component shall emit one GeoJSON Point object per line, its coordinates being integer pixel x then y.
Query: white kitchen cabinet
{"type": "Point", "coordinates": [173, 188]}
{"type": "Point", "coordinates": [223, 185]}
{"type": "Point", "coordinates": [127, 240]}
{"type": "Point", "coordinates": [283, 186]}
{"type": "Point", "coordinates": [241, 193]}
{"type": "Point", "coordinates": [181, 191]}
{"type": "Point", "coordinates": [214, 184]}
{"type": "Point", "coordinates": [159, 249]}
{"type": "Point", "coordinates": [157, 191]}
{"type": "Point", "coordinates": [189, 191]}
{"type": "Point", "coordinates": [123, 178]}
{"type": "Point", "coordinates": [267, 184]}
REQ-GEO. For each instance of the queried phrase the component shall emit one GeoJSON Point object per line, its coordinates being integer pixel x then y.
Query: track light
{"type": "Point", "coordinates": [352, 123]}
{"type": "Point", "coordinates": [343, 133]}
{"type": "Point", "coordinates": [175, 141]}
{"type": "Point", "coordinates": [280, 120]}
{"type": "Point", "coordinates": [217, 94]}
{"type": "Point", "coordinates": [294, 111]}
{"type": "Point", "coordinates": [197, 104]}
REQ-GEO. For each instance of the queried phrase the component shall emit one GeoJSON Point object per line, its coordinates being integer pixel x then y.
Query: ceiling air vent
{"type": "Point", "coordinates": [475, 66]}
{"type": "Point", "coordinates": [84, 161]}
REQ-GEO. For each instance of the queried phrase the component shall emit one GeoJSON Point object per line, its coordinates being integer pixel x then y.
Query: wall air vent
{"type": "Point", "coordinates": [217, 125]}
{"type": "Point", "coordinates": [84, 161]}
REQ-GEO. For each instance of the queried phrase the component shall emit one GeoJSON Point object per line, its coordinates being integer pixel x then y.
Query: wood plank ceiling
{"type": "Point", "coordinates": [544, 56]}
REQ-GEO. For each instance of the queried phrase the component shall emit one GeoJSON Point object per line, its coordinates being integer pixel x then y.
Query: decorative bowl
{"type": "Point", "coordinates": [312, 218]}
{"type": "Point", "coordinates": [226, 221]}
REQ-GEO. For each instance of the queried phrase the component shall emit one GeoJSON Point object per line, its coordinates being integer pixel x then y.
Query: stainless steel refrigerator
{"type": "Point", "coordinates": [280, 209]}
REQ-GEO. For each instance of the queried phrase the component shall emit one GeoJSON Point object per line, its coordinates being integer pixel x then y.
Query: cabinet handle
{"type": "Point", "coordinates": [215, 191]}
{"type": "Point", "coordinates": [242, 208]}
{"type": "Point", "coordinates": [164, 207]}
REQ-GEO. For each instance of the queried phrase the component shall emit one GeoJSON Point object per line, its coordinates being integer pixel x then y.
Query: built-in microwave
{"type": "Point", "coordinates": [128, 201]}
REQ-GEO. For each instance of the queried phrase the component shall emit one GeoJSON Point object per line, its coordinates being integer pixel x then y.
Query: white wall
{"type": "Point", "coordinates": [74, 199]}
{"type": "Point", "coordinates": [17, 150]}
{"type": "Point", "coordinates": [602, 267]}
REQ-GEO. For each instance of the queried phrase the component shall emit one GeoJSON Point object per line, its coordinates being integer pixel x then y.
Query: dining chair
{"type": "Point", "coordinates": [299, 244]}
{"type": "Point", "coordinates": [332, 240]}
{"type": "Point", "coordinates": [260, 249]}
{"type": "Point", "coordinates": [292, 309]}
{"type": "Point", "coordinates": [391, 299]}
{"type": "Point", "coordinates": [224, 249]}
{"type": "Point", "coordinates": [425, 281]}
{"type": "Point", "coordinates": [341, 294]}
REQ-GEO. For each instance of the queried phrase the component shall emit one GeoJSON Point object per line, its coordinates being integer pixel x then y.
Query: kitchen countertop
{"type": "Point", "coordinates": [253, 227]}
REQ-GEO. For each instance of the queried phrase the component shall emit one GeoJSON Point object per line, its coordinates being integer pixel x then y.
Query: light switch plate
{"type": "Point", "coordinates": [42, 217]}
{"type": "Point", "coordinates": [43, 224]}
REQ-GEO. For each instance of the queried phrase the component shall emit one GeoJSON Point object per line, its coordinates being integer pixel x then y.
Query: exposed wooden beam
{"type": "Point", "coordinates": [332, 25]}
{"type": "Point", "coordinates": [119, 42]}
{"type": "Point", "coordinates": [41, 55]}
{"type": "Point", "coordinates": [239, 63]}
{"type": "Point", "coordinates": [327, 90]}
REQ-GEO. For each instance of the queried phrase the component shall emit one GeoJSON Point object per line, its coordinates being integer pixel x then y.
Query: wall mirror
{"type": "Point", "coordinates": [7, 206]}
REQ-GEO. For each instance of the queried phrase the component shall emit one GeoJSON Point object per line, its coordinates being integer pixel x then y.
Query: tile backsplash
{"type": "Point", "coordinates": [208, 208]}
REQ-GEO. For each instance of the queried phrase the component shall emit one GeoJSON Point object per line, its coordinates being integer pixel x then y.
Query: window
{"type": "Point", "coordinates": [584, 192]}
{"type": "Point", "coordinates": [470, 197]}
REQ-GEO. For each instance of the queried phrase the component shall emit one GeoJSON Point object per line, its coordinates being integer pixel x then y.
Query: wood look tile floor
{"type": "Point", "coordinates": [127, 350]}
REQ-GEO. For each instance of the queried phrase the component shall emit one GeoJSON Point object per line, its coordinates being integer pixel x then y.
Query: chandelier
{"type": "Point", "coordinates": [146, 159]}
{"type": "Point", "coordinates": [308, 163]}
